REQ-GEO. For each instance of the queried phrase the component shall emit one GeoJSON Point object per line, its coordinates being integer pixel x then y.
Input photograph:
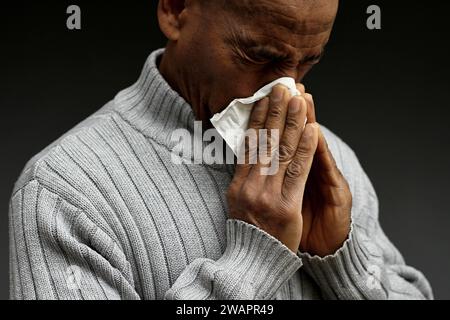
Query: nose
{"type": "Point", "coordinates": [295, 74]}
{"type": "Point", "coordinates": [289, 74]}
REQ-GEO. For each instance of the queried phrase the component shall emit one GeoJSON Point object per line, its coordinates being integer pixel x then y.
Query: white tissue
{"type": "Point", "coordinates": [232, 123]}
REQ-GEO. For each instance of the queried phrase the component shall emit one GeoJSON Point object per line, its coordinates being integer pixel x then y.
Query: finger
{"type": "Point", "coordinates": [332, 185]}
{"type": "Point", "coordinates": [295, 122]}
{"type": "Point", "coordinates": [328, 170]}
{"type": "Point", "coordinates": [311, 115]}
{"type": "Point", "coordinates": [259, 114]}
{"type": "Point", "coordinates": [257, 121]}
{"type": "Point", "coordinates": [298, 170]}
{"type": "Point", "coordinates": [268, 141]}
{"type": "Point", "coordinates": [301, 88]}
{"type": "Point", "coordinates": [279, 100]}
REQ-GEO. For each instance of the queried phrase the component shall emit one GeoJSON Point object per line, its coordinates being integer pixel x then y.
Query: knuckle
{"type": "Point", "coordinates": [293, 123]}
{"type": "Point", "coordinates": [276, 111]}
{"type": "Point", "coordinates": [286, 152]}
{"type": "Point", "coordinates": [257, 122]}
{"type": "Point", "coordinates": [295, 170]}
{"type": "Point", "coordinates": [265, 200]}
{"type": "Point", "coordinates": [307, 145]}
{"type": "Point", "coordinates": [247, 194]}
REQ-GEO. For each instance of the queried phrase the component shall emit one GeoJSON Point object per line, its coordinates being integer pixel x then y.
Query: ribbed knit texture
{"type": "Point", "coordinates": [103, 213]}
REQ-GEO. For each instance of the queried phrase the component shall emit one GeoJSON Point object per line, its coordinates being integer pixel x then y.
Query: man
{"type": "Point", "coordinates": [104, 213]}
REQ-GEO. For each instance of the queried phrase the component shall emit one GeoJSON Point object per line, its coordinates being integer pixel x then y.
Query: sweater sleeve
{"type": "Point", "coordinates": [58, 253]}
{"type": "Point", "coordinates": [368, 266]}
{"type": "Point", "coordinates": [253, 267]}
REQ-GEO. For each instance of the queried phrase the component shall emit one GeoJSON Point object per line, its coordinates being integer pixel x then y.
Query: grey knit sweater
{"type": "Point", "coordinates": [103, 213]}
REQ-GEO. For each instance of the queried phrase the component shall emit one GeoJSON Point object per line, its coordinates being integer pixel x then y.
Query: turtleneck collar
{"type": "Point", "coordinates": [152, 107]}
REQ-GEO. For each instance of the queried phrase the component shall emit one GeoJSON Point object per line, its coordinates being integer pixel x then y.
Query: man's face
{"type": "Point", "coordinates": [230, 53]}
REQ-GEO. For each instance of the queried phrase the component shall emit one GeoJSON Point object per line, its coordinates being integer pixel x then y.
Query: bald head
{"type": "Point", "coordinates": [250, 8]}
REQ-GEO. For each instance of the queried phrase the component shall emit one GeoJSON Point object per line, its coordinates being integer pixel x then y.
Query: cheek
{"type": "Point", "coordinates": [245, 85]}
{"type": "Point", "coordinates": [240, 82]}
{"type": "Point", "coordinates": [226, 82]}
{"type": "Point", "coordinates": [302, 72]}
{"type": "Point", "coordinates": [237, 85]}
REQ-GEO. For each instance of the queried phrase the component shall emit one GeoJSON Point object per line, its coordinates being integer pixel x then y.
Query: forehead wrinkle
{"type": "Point", "coordinates": [295, 46]}
{"type": "Point", "coordinates": [296, 25]}
{"type": "Point", "coordinates": [251, 35]}
{"type": "Point", "coordinates": [262, 10]}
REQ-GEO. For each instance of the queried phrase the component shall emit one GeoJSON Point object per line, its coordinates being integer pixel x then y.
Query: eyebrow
{"type": "Point", "coordinates": [313, 58]}
{"type": "Point", "coordinates": [269, 51]}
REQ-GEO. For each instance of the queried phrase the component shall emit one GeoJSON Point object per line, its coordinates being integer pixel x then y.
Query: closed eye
{"type": "Point", "coordinates": [265, 57]}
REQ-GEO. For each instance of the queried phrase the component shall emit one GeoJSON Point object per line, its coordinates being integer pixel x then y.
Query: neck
{"type": "Point", "coordinates": [167, 68]}
{"type": "Point", "coordinates": [181, 82]}
{"type": "Point", "coordinates": [152, 107]}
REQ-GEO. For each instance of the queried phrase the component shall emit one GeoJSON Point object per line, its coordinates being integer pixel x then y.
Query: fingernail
{"type": "Point", "coordinates": [294, 106]}
{"type": "Point", "coordinates": [315, 125]}
{"type": "Point", "coordinates": [277, 94]}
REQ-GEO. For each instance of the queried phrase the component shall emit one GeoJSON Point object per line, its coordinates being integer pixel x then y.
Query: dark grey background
{"type": "Point", "coordinates": [384, 92]}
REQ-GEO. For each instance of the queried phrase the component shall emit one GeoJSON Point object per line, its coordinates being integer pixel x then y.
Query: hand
{"type": "Point", "coordinates": [327, 201]}
{"type": "Point", "coordinates": [274, 202]}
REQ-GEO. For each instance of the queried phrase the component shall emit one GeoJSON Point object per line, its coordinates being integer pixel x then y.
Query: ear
{"type": "Point", "coordinates": [169, 17]}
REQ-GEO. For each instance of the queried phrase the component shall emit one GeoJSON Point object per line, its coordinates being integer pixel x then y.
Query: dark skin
{"type": "Point", "coordinates": [216, 54]}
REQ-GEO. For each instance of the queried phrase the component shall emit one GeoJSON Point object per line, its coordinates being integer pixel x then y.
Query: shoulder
{"type": "Point", "coordinates": [73, 158]}
{"type": "Point", "coordinates": [71, 177]}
